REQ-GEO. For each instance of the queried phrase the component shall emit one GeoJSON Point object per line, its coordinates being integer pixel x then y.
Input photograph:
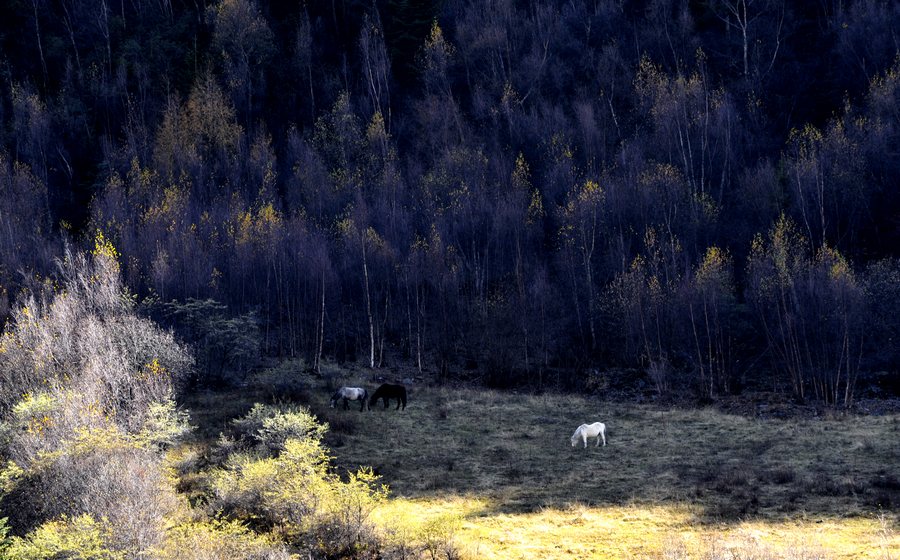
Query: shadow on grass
{"type": "Point", "coordinates": [513, 452]}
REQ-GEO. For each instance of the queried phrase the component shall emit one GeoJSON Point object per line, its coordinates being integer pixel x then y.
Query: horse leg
{"type": "Point", "coordinates": [385, 399]}
{"type": "Point", "coordinates": [398, 404]}
{"type": "Point", "coordinates": [584, 440]}
{"type": "Point", "coordinates": [346, 404]}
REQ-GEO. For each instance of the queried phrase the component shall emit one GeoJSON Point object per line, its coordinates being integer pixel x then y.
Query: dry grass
{"type": "Point", "coordinates": [670, 483]}
{"type": "Point", "coordinates": [642, 531]}
{"type": "Point", "coordinates": [504, 463]}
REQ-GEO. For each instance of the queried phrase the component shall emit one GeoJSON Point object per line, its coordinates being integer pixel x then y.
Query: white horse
{"type": "Point", "coordinates": [351, 394]}
{"type": "Point", "coordinates": [584, 431]}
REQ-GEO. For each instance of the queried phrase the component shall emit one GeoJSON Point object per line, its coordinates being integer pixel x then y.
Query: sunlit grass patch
{"type": "Point", "coordinates": [635, 531]}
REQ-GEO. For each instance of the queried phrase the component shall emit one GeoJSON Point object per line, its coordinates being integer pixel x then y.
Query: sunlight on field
{"type": "Point", "coordinates": [634, 532]}
{"type": "Point", "coordinates": [499, 470]}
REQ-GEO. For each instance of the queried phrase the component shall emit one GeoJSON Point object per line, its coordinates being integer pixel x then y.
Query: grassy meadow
{"type": "Point", "coordinates": [494, 475]}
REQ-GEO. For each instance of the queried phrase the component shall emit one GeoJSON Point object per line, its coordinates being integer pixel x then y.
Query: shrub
{"type": "Point", "coordinates": [84, 346]}
{"type": "Point", "coordinates": [201, 541]}
{"type": "Point", "coordinates": [271, 426]}
{"type": "Point", "coordinates": [164, 425]}
{"type": "Point", "coordinates": [102, 473]}
{"type": "Point", "coordinates": [79, 537]}
{"type": "Point", "coordinates": [295, 489]}
{"type": "Point", "coordinates": [85, 408]}
{"type": "Point", "coordinates": [284, 382]}
{"type": "Point", "coordinates": [437, 537]}
{"type": "Point", "coordinates": [226, 346]}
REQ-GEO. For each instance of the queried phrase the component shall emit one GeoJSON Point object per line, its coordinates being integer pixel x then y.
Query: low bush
{"type": "Point", "coordinates": [286, 382]}
{"type": "Point", "coordinates": [286, 483]}
{"type": "Point", "coordinates": [100, 473]}
{"type": "Point", "coordinates": [78, 537]}
{"type": "Point", "coordinates": [271, 426]}
{"type": "Point", "coordinates": [203, 541]}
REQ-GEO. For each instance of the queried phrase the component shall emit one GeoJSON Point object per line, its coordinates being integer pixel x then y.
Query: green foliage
{"type": "Point", "coordinates": [296, 489]}
{"type": "Point", "coordinates": [226, 346]}
{"type": "Point", "coordinates": [9, 476]}
{"type": "Point", "coordinates": [5, 540]}
{"type": "Point", "coordinates": [78, 538]}
{"type": "Point", "coordinates": [219, 539]}
{"type": "Point", "coordinates": [272, 426]}
{"type": "Point", "coordinates": [32, 415]}
{"type": "Point", "coordinates": [164, 425]}
{"type": "Point", "coordinates": [436, 536]}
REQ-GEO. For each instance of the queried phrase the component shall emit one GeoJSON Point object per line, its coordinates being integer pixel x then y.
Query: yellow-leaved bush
{"type": "Point", "coordinates": [86, 410]}
{"type": "Point", "coordinates": [78, 537]}
{"type": "Point", "coordinates": [285, 483]}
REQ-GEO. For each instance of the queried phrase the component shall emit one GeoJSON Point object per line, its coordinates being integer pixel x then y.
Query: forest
{"type": "Point", "coordinates": [214, 212]}
{"type": "Point", "coordinates": [701, 194]}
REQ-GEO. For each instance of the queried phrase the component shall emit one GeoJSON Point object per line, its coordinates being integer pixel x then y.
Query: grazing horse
{"type": "Point", "coordinates": [351, 394]}
{"type": "Point", "coordinates": [389, 391]}
{"type": "Point", "coordinates": [584, 431]}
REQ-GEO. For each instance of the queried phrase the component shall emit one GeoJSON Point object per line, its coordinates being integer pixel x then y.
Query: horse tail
{"type": "Point", "coordinates": [374, 398]}
{"type": "Point", "coordinates": [403, 396]}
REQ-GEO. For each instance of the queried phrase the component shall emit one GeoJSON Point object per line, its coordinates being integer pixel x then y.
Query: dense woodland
{"type": "Point", "coordinates": [524, 192]}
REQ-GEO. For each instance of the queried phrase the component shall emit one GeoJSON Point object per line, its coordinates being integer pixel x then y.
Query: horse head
{"type": "Point", "coordinates": [576, 437]}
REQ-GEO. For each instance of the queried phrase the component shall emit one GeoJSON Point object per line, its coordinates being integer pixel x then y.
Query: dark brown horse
{"type": "Point", "coordinates": [389, 391]}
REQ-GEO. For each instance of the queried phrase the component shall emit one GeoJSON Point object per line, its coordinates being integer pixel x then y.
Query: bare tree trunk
{"type": "Point", "coordinates": [700, 359]}
{"type": "Point", "coordinates": [573, 276]}
{"type": "Point", "coordinates": [68, 22]}
{"type": "Point", "coordinates": [37, 33]}
{"type": "Point", "coordinates": [383, 330]}
{"type": "Point", "coordinates": [520, 284]}
{"type": "Point", "coordinates": [409, 329]}
{"type": "Point", "coordinates": [587, 251]}
{"type": "Point", "coordinates": [419, 321]}
{"type": "Point", "coordinates": [369, 308]}
{"type": "Point", "coordinates": [321, 333]}
{"type": "Point", "coordinates": [104, 26]}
